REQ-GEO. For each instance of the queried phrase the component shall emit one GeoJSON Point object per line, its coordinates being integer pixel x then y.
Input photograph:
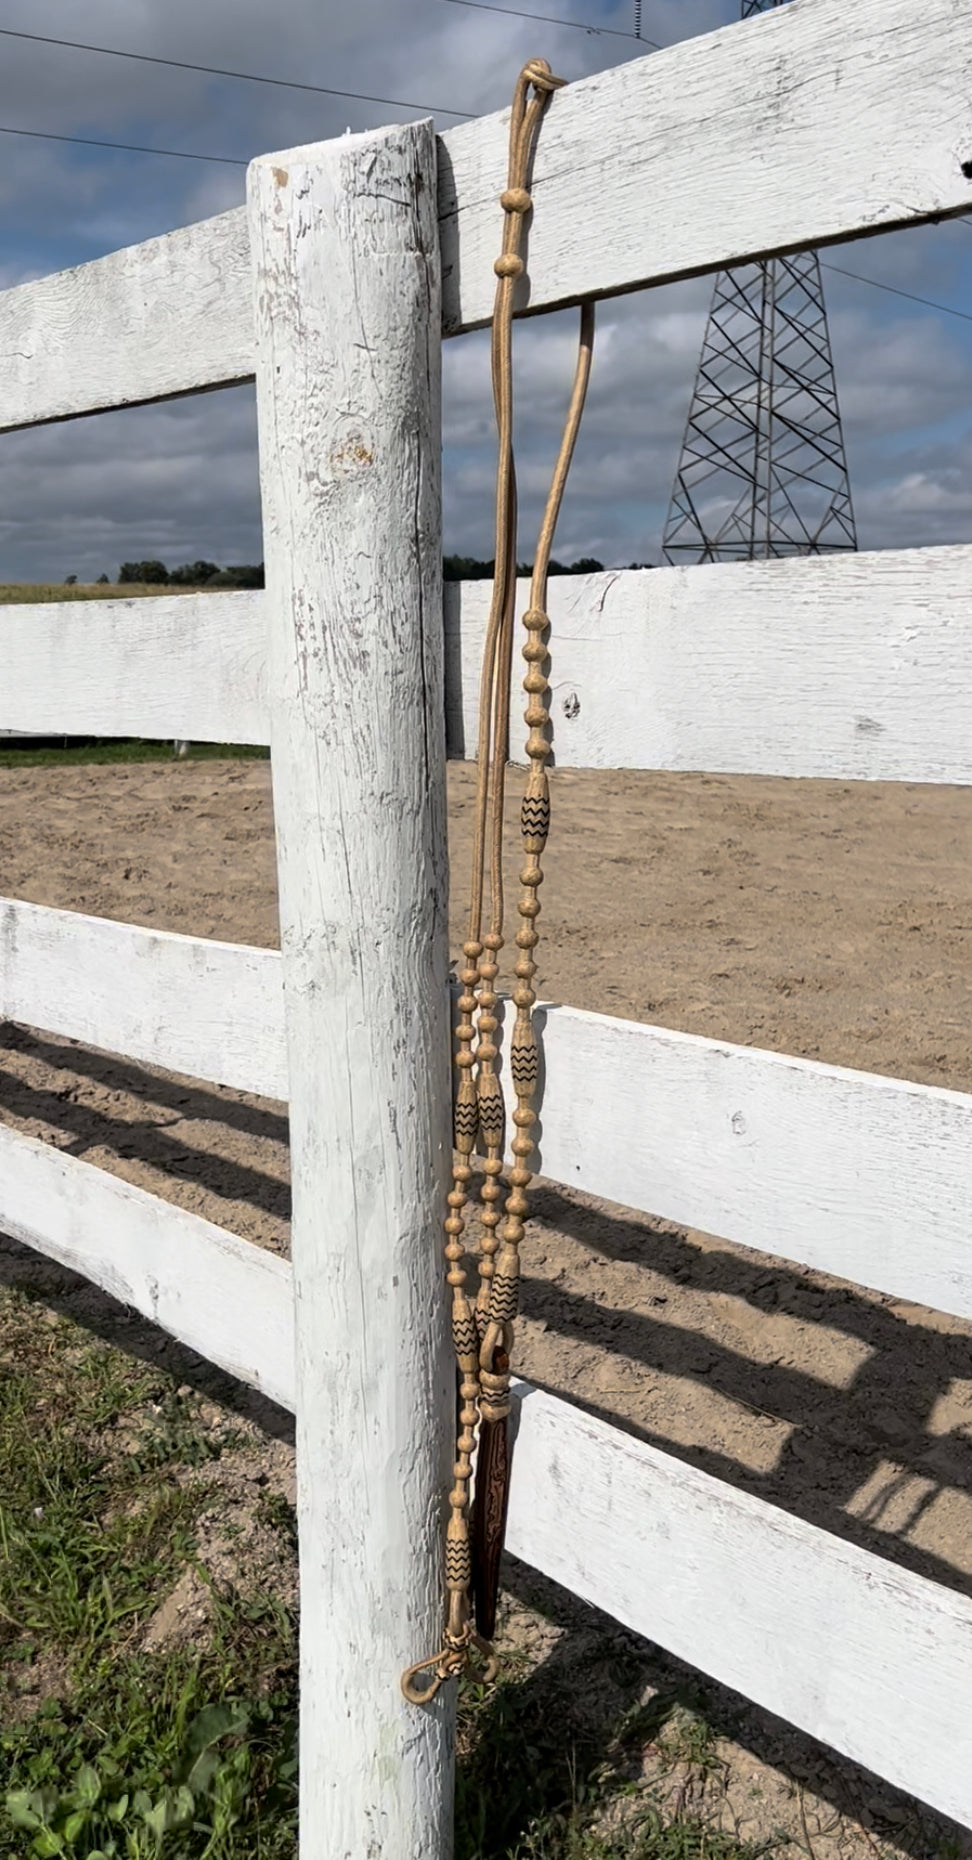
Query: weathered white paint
{"type": "Point", "coordinates": [626, 195]}
{"type": "Point", "coordinates": [231, 1301]}
{"type": "Point", "coordinates": [849, 1172]}
{"type": "Point", "coordinates": [347, 294]}
{"type": "Point", "coordinates": [854, 668]}
{"type": "Point", "coordinates": [164, 666]}
{"type": "Point", "coordinates": [763, 137]}
{"type": "Point", "coordinates": [870, 1659]}
{"type": "Point", "coordinates": [206, 1009]}
{"type": "Point", "coordinates": [168, 317]}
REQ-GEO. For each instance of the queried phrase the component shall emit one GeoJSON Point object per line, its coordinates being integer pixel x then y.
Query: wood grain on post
{"type": "Point", "coordinates": [346, 276]}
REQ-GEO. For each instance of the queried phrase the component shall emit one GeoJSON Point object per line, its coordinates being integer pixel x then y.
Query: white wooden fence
{"type": "Point", "coordinates": [804, 127]}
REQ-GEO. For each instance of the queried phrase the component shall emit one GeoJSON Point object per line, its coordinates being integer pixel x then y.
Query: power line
{"type": "Point", "coordinates": [929, 303]}
{"type": "Point", "coordinates": [236, 161]}
{"type": "Point", "coordinates": [131, 148]}
{"type": "Point", "coordinates": [244, 77]}
{"type": "Point", "coordinates": [547, 19]}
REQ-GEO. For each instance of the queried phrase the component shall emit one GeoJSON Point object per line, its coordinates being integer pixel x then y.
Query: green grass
{"type": "Point", "coordinates": [76, 755]}
{"type": "Point", "coordinates": [106, 1749]}
{"type": "Point", "coordinates": [539, 1778]}
{"type": "Point", "coordinates": [21, 592]}
{"type": "Point", "coordinates": [189, 1753]}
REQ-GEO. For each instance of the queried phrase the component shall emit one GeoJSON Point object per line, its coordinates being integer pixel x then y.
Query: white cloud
{"type": "Point", "coordinates": [79, 499]}
{"type": "Point", "coordinates": [181, 481]}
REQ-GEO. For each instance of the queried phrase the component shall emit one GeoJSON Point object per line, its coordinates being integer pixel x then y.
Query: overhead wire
{"type": "Point", "coordinates": [131, 148]}
{"type": "Point", "coordinates": [929, 302]}
{"type": "Point", "coordinates": [243, 77]}
{"type": "Point", "coordinates": [250, 77]}
{"type": "Point", "coordinates": [548, 19]}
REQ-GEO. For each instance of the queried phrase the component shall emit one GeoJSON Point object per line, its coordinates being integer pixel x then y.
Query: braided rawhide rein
{"type": "Point", "coordinates": [483, 1332]}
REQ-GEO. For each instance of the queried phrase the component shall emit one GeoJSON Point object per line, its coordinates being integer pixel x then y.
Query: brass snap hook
{"type": "Point", "coordinates": [451, 1662]}
{"type": "Point", "coordinates": [423, 1695]}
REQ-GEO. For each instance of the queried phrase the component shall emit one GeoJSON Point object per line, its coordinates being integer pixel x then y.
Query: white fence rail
{"type": "Point", "coordinates": [154, 321]}
{"type": "Point", "coordinates": [231, 1301]}
{"type": "Point", "coordinates": [210, 1010]}
{"type": "Point", "coordinates": [724, 1138]}
{"type": "Point", "coordinates": [850, 667]}
{"type": "Point", "coordinates": [798, 129]}
{"type": "Point", "coordinates": [190, 666]}
{"type": "Point", "coordinates": [819, 1631]}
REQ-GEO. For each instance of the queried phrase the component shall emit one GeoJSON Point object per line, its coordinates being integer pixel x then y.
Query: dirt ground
{"type": "Point", "coordinates": [832, 921]}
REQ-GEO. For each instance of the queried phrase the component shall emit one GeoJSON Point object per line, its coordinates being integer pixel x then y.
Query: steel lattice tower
{"type": "Point", "coordinates": [763, 471]}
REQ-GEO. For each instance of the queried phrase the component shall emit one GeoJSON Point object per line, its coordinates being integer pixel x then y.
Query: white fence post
{"type": "Point", "coordinates": [348, 322]}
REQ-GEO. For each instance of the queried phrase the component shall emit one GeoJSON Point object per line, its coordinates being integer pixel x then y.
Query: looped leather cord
{"type": "Point", "coordinates": [483, 1330]}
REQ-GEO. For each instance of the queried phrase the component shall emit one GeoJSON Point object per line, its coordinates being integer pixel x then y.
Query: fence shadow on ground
{"type": "Point", "coordinates": [596, 1695]}
{"type": "Point", "coordinates": [839, 1439]}
{"type": "Point", "coordinates": [610, 1693]}
{"type": "Point", "coordinates": [867, 1442]}
{"type": "Point", "coordinates": [94, 1116]}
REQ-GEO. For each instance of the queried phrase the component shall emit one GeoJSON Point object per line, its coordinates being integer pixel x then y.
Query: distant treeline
{"type": "Point", "coordinates": [191, 575]}
{"type": "Point", "coordinates": [466, 568]}
{"type": "Point", "coordinates": [250, 575]}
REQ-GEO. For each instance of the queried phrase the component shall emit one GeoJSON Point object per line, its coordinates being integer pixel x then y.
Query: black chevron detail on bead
{"type": "Point", "coordinates": [491, 1125]}
{"type": "Point", "coordinates": [524, 1065]}
{"type": "Point", "coordinates": [465, 1336]}
{"type": "Point", "coordinates": [535, 816]}
{"type": "Point", "coordinates": [504, 1300]}
{"type": "Point", "coordinates": [491, 1110]}
{"type": "Point", "coordinates": [467, 1120]}
{"type": "Point", "coordinates": [458, 1564]}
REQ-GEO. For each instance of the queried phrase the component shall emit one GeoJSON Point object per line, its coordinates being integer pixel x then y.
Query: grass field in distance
{"type": "Point", "coordinates": [25, 592]}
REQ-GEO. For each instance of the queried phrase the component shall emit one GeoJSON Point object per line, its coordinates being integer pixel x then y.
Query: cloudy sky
{"type": "Point", "coordinates": [180, 481]}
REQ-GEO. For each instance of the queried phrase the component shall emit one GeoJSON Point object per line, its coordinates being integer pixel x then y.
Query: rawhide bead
{"type": "Point", "coordinates": [458, 1558]}
{"type": "Point", "coordinates": [492, 1111]}
{"type": "Point", "coordinates": [466, 1115]}
{"type": "Point", "coordinates": [535, 813]}
{"type": "Point", "coordinates": [465, 1337]}
{"type": "Point", "coordinates": [524, 1058]}
{"type": "Point", "coordinates": [504, 1292]}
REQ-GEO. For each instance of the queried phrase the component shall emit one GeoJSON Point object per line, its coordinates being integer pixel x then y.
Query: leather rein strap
{"type": "Point", "coordinates": [482, 1328]}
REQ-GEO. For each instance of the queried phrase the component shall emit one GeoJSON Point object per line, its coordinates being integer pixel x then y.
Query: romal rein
{"type": "Point", "coordinates": [482, 1329]}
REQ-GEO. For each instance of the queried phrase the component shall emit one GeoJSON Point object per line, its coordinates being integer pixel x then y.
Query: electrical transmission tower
{"type": "Point", "coordinates": [763, 471]}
